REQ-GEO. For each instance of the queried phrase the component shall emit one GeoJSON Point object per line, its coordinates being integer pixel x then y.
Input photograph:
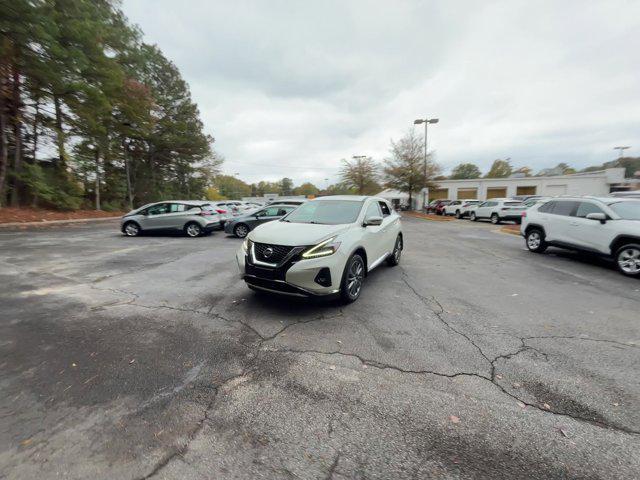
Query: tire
{"type": "Point", "coordinates": [354, 271]}
{"type": "Point", "coordinates": [131, 229]}
{"type": "Point", "coordinates": [193, 230]}
{"type": "Point", "coordinates": [628, 260]}
{"type": "Point", "coordinates": [394, 258]}
{"type": "Point", "coordinates": [241, 230]}
{"type": "Point", "coordinates": [534, 239]}
{"type": "Point", "coordinates": [473, 217]}
{"type": "Point", "coordinates": [495, 219]}
{"type": "Point", "coordinates": [458, 215]}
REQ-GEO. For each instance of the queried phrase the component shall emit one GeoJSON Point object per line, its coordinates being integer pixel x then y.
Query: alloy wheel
{"type": "Point", "coordinates": [398, 250]}
{"type": "Point", "coordinates": [355, 277]}
{"type": "Point", "coordinates": [131, 230]}
{"type": "Point", "coordinates": [629, 260]}
{"type": "Point", "coordinates": [193, 230]}
{"type": "Point", "coordinates": [533, 240]}
{"type": "Point", "coordinates": [241, 231]}
{"type": "Point", "coordinates": [494, 219]}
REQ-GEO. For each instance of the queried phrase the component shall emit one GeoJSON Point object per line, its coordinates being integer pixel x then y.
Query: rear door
{"type": "Point", "coordinates": [559, 220]}
{"type": "Point", "coordinates": [177, 215]}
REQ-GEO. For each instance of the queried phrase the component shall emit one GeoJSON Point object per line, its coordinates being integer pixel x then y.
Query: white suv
{"type": "Point", "coordinates": [606, 226]}
{"type": "Point", "coordinates": [461, 208]}
{"type": "Point", "coordinates": [497, 210]}
{"type": "Point", "coordinates": [325, 247]}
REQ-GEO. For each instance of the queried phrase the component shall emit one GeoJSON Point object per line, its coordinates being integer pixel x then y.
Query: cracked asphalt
{"type": "Point", "coordinates": [137, 358]}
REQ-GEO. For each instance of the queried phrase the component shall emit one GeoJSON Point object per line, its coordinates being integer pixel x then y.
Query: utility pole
{"type": "Point", "coordinates": [426, 122]}
{"type": "Point", "coordinates": [125, 146]}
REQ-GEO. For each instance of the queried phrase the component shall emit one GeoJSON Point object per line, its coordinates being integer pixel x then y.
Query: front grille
{"type": "Point", "coordinates": [273, 285]}
{"type": "Point", "coordinates": [271, 253]}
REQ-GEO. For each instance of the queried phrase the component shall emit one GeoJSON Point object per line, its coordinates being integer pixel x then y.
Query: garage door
{"type": "Point", "coordinates": [496, 192]}
{"type": "Point", "coordinates": [438, 193]}
{"type": "Point", "coordinates": [465, 193]}
{"type": "Point", "coordinates": [526, 190]}
{"type": "Point", "coordinates": [555, 190]}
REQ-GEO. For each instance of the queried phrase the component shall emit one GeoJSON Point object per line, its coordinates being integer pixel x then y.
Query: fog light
{"type": "Point", "coordinates": [323, 277]}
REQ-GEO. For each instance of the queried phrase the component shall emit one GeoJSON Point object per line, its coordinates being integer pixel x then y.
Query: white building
{"type": "Point", "coordinates": [273, 197]}
{"type": "Point", "coordinates": [395, 197]}
{"type": "Point", "coordinates": [601, 182]}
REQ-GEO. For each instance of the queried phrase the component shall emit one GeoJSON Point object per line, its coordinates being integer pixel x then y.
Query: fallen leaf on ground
{"type": "Point", "coordinates": [521, 405]}
{"type": "Point", "coordinates": [499, 377]}
{"type": "Point", "coordinates": [516, 385]}
{"type": "Point", "coordinates": [454, 419]}
{"type": "Point", "coordinates": [546, 406]}
{"type": "Point", "coordinates": [616, 404]}
{"type": "Point", "coordinates": [74, 365]}
{"type": "Point", "coordinates": [562, 431]}
{"type": "Point", "coordinates": [131, 361]}
{"type": "Point", "coordinates": [332, 367]}
{"type": "Point", "coordinates": [26, 442]}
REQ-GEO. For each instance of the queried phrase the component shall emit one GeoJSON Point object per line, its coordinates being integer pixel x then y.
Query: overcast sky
{"type": "Point", "coordinates": [288, 88]}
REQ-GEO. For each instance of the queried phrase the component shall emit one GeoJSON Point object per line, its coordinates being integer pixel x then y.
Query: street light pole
{"type": "Point", "coordinates": [426, 122]}
{"type": "Point", "coordinates": [621, 150]}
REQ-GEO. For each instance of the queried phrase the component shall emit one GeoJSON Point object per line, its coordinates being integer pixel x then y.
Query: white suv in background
{"type": "Point", "coordinates": [461, 208]}
{"type": "Point", "coordinates": [497, 210]}
{"type": "Point", "coordinates": [325, 247]}
{"type": "Point", "coordinates": [605, 226]}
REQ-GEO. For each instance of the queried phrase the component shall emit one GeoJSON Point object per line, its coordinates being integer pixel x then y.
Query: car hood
{"type": "Point", "coordinates": [294, 234]}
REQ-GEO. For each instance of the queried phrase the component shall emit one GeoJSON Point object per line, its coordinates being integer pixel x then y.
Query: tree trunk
{"type": "Point", "coordinates": [35, 131]}
{"type": "Point", "coordinates": [62, 156]}
{"type": "Point", "coordinates": [3, 143]}
{"type": "Point", "coordinates": [97, 178]}
{"type": "Point", "coordinates": [17, 134]}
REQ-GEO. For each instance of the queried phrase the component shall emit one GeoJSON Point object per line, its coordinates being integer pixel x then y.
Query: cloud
{"type": "Point", "coordinates": [290, 88]}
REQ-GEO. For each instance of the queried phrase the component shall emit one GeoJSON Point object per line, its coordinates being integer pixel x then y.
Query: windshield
{"type": "Point", "coordinates": [326, 212]}
{"type": "Point", "coordinates": [627, 210]}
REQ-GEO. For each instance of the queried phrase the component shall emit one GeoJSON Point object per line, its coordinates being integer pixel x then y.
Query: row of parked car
{"type": "Point", "coordinates": [199, 217]}
{"type": "Point", "coordinates": [604, 226]}
{"type": "Point", "coordinates": [495, 209]}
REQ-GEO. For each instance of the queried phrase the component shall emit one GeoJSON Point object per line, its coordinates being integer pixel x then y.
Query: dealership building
{"type": "Point", "coordinates": [600, 182]}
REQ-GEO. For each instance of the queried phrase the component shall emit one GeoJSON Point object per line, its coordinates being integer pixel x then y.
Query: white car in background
{"type": "Point", "coordinates": [323, 248]}
{"type": "Point", "coordinates": [461, 208]}
{"type": "Point", "coordinates": [497, 210]}
{"type": "Point", "coordinates": [606, 226]}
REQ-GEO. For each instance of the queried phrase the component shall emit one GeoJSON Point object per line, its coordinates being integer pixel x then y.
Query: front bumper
{"type": "Point", "coordinates": [211, 226]}
{"type": "Point", "coordinates": [295, 277]}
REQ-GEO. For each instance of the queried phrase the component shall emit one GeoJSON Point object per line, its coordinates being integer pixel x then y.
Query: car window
{"type": "Point", "coordinates": [284, 211]}
{"type": "Point", "coordinates": [269, 212]}
{"type": "Point", "coordinates": [512, 204]}
{"type": "Point", "coordinates": [627, 210]}
{"type": "Point", "coordinates": [158, 209]}
{"type": "Point", "coordinates": [547, 207]}
{"type": "Point", "coordinates": [585, 208]}
{"type": "Point", "coordinates": [385, 209]}
{"type": "Point", "coordinates": [373, 210]}
{"type": "Point", "coordinates": [564, 208]}
{"type": "Point", "coordinates": [327, 212]}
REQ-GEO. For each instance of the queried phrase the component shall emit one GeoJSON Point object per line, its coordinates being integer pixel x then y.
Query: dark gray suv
{"type": "Point", "coordinates": [241, 225]}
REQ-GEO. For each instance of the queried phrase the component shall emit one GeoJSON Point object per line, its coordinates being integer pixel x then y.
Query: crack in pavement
{"type": "Point", "coordinates": [181, 451]}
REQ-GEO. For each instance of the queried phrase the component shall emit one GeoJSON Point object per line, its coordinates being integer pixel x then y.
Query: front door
{"type": "Point", "coordinates": [374, 240]}
{"type": "Point", "coordinates": [586, 233]}
{"type": "Point", "coordinates": [154, 218]}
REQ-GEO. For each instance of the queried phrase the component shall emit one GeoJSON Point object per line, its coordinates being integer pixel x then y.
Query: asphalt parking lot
{"type": "Point", "coordinates": [147, 357]}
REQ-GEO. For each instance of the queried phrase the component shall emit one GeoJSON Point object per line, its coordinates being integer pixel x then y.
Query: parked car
{"type": "Point", "coordinates": [496, 210]}
{"type": "Point", "coordinates": [241, 225]}
{"type": "Point", "coordinates": [288, 202]}
{"type": "Point", "coordinates": [323, 248]}
{"type": "Point", "coordinates": [191, 217]}
{"type": "Point", "coordinates": [525, 198]}
{"type": "Point", "coordinates": [606, 226]}
{"type": "Point", "coordinates": [460, 208]}
{"type": "Point", "coordinates": [221, 209]}
{"type": "Point", "coordinates": [527, 204]}
{"type": "Point", "coordinates": [431, 206]}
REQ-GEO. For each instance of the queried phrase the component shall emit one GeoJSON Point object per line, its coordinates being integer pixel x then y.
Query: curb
{"type": "Point", "coordinates": [432, 218]}
{"type": "Point", "coordinates": [510, 231]}
{"type": "Point", "coordinates": [54, 222]}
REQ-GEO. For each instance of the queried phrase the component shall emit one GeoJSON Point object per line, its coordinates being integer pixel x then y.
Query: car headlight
{"type": "Point", "coordinates": [246, 245]}
{"type": "Point", "coordinates": [323, 249]}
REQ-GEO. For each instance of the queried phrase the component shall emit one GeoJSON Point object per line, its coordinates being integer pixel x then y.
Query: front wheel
{"type": "Point", "coordinates": [535, 241]}
{"type": "Point", "coordinates": [628, 260]}
{"type": "Point", "coordinates": [458, 214]}
{"type": "Point", "coordinates": [473, 217]}
{"type": "Point", "coordinates": [394, 258]}
{"type": "Point", "coordinates": [352, 279]}
{"type": "Point", "coordinates": [193, 230]}
{"type": "Point", "coordinates": [131, 229]}
{"type": "Point", "coordinates": [241, 230]}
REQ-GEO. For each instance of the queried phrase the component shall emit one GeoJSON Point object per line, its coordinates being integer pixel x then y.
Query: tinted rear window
{"type": "Point", "coordinates": [564, 208]}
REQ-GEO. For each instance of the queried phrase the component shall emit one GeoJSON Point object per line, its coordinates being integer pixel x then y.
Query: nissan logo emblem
{"type": "Point", "coordinates": [267, 252]}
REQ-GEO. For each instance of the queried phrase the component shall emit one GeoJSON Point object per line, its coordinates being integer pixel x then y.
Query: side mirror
{"type": "Point", "coordinates": [601, 217]}
{"type": "Point", "coordinates": [372, 221]}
